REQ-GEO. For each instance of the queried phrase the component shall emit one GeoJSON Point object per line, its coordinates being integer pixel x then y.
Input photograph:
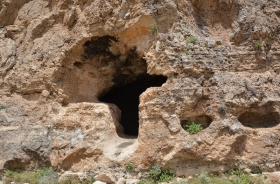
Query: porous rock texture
{"type": "Point", "coordinates": [57, 57]}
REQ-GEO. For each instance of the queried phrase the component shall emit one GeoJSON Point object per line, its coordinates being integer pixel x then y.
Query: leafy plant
{"type": "Point", "coordinates": [193, 128]}
{"type": "Point", "coordinates": [236, 172]}
{"type": "Point", "coordinates": [258, 46]}
{"type": "Point", "coordinates": [154, 27]}
{"type": "Point", "coordinates": [159, 175]}
{"type": "Point", "coordinates": [191, 39]}
{"type": "Point", "coordinates": [166, 175]}
{"type": "Point", "coordinates": [155, 172]}
{"type": "Point", "coordinates": [130, 166]}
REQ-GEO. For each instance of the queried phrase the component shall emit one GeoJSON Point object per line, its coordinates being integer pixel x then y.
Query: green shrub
{"type": "Point", "coordinates": [191, 39]}
{"type": "Point", "coordinates": [166, 175]}
{"type": "Point", "coordinates": [130, 166]}
{"type": "Point", "coordinates": [154, 27]}
{"type": "Point", "coordinates": [186, 52]}
{"type": "Point", "coordinates": [155, 172]}
{"type": "Point", "coordinates": [236, 172]}
{"type": "Point", "coordinates": [159, 175]}
{"type": "Point", "coordinates": [258, 46]}
{"type": "Point", "coordinates": [193, 128]}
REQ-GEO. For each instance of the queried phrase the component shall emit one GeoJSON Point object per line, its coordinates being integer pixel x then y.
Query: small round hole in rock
{"type": "Point", "coordinates": [197, 123]}
{"type": "Point", "coordinates": [79, 65]}
{"type": "Point", "coordinates": [259, 120]}
{"type": "Point", "coordinates": [126, 97]}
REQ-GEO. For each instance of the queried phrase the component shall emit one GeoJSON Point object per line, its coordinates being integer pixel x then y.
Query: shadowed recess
{"type": "Point", "coordinates": [99, 46]}
{"type": "Point", "coordinates": [204, 120]}
{"type": "Point", "coordinates": [259, 120]}
{"type": "Point", "coordinates": [126, 97]}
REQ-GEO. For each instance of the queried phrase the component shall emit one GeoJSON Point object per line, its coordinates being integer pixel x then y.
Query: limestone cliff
{"type": "Point", "coordinates": [215, 62]}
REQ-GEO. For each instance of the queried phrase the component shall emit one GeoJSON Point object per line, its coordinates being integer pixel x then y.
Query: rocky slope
{"type": "Point", "coordinates": [221, 60]}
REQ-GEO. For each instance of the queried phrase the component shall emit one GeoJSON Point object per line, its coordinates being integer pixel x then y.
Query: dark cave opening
{"type": "Point", "coordinates": [126, 97]}
{"type": "Point", "coordinates": [125, 74]}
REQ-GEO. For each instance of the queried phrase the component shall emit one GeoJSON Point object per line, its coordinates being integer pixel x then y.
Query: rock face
{"type": "Point", "coordinates": [221, 60]}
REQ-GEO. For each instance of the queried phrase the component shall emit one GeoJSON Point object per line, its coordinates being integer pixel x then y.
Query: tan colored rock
{"type": "Point", "coordinates": [99, 182]}
{"type": "Point", "coordinates": [105, 178]}
{"type": "Point", "coordinates": [273, 177]}
{"type": "Point", "coordinates": [121, 181]}
{"type": "Point", "coordinates": [132, 181]}
{"type": "Point", "coordinates": [58, 58]}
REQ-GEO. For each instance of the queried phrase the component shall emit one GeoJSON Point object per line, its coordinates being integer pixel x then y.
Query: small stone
{"type": "Point", "coordinates": [99, 182]}
{"type": "Point", "coordinates": [132, 181]}
{"type": "Point", "coordinates": [190, 177]}
{"type": "Point", "coordinates": [105, 178]}
{"type": "Point", "coordinates": [247, 170]}
{"type": "Point", "coordinates": [121, 181]}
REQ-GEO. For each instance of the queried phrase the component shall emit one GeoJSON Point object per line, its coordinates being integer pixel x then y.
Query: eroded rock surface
{"type": "Point", "coordinates": [59, 57]}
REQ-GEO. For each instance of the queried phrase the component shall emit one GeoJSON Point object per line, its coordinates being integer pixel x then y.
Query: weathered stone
{"type": "Point", "coordinates": [121, 181]}
{"type": "Point", "coordinates": [59, 58]}
{"type": "Point", "coordinates": [99, 182]}
{"type": "Point", "coordinates": [131, 181]}
{"type": "Point", "coordinates": [105, 178]}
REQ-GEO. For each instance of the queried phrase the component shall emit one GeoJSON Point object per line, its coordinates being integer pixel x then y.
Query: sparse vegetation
{"type": "Point", "coordinates": [193, 128]}
{"type": "Point", "coordinates": [130, 166]}
{"type": "Point", "coordinates": [257, 170]}
{"type": "Point", "coordinates": [235, 176]}
{"type": "Point", "coordinates": [42, 176]}
{"type": "Point", "coordinates": [3, 106]}
{"type": "Point", "coordinates": [186, 52]}
{"type": "Point", "coordinates": [222, 108]}
{"type": "Point", "coordinates": [191, 39]}
{"type": "Point", "coordinates": [158, 175]}
{"type": "Point", "coordinates": [154, 28]}
{"type": "Point", "coordinates": [231, 177]}
{"type": "Point", "coordinates": [32, 177]}
{"type": "Point", "coordinates": [258, 46]}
